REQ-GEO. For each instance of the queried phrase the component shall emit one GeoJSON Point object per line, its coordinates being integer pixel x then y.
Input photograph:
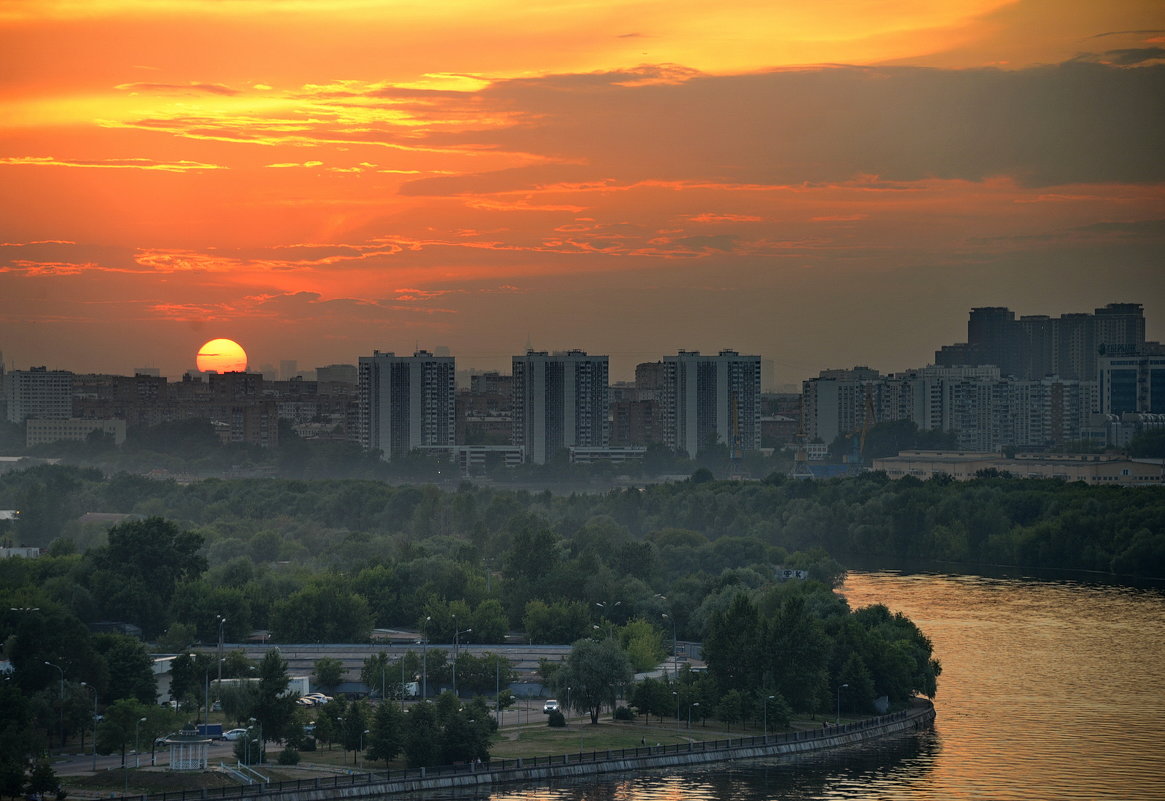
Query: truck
{"type": "Point", "coordinates": [211, 730]}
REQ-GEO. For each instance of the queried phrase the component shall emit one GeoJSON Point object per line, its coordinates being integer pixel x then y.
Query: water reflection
{"type": "Point", "coordinates": [1050, 690]}
{"type": "Point", "coordinates": [828, 775]}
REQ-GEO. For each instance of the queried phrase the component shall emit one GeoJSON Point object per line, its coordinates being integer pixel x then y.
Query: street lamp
{"type": "Point", "coordinates": [457, 634]}
{"type": "Point", "coordinates": [677, 697]}
{"type": "Point", "coordinates": [425, 660]}
{"type": "Point", "coordinates": [694, 703]}
{"type": "Point", "coordinates": [62, 672]}
{"type": "Point", "coordinates": [839, 689]}
{"type": "Point", "coordinates": [771, 697]}
{"type": "Point", "coordinates": [354, 755]}
{"type": "Point", "coordinates": [94, 689]}
{"type": "Point", "coordinates": [221, 622]}
{"type": "Point", "coordinates": [137, 749]}
{"type": "Point", "coordinates": [675, 655]}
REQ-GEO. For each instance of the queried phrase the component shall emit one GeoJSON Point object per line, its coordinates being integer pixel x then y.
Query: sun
{"type": "Point", "coordinates": [222, 356]}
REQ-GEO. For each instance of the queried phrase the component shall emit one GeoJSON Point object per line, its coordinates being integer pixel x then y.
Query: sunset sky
{"type": "Point", "coordinates": [822, 182]}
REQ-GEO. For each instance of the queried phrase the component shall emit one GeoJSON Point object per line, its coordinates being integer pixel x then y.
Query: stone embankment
{"type": "Point", "coordinates": [548, 770]}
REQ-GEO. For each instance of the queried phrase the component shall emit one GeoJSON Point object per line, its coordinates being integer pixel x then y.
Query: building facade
{"type": "Point", "coordinates": [559, 402]}
{"type": "Point", "coordinates": [38, 393]}
{"type": "Point", "coordinates": [711, 399]}
{"type": "Point", "coordinates": [406, 402]}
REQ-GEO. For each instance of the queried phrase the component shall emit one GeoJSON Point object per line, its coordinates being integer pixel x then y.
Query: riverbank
{"type": "Point", "coordinates": [551, 769]}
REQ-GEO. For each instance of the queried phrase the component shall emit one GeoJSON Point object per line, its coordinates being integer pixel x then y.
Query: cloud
{"type": "Point", "coordinates": [125, 164]}
{"type": "Point", "coordinates": [1074, 122]}
{"type": "Point", "coordinates": [1134, 55]}
{"type": "Point", "coordinates": [180, 88]}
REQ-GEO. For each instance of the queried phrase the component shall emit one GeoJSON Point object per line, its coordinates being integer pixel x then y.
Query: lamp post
{"type": "Point", "coordinates": [94, 689]}
{"type": "Point", "coordinates": [457, 634]}
{"type": "Point", "coordinates": [694, 703]}
{"type": "Point", "coordinates": [425, 660]}
{"type": "Point", "coordinates": [675, 656]}
{"type": "Point", "coordinates": [221, 622]}
{"type": "Point", "coordinates": [676, 695]}
{"type": "Point", "coordinates": [608, 607]}
{"type": "Point", "coordinates": [259, 750]}
{"type": "Point", "coordinates": [840, 687]}
{"type": "Point", "coordinates": [769, 698]}
{"type": "Point", "coordinates": [137, 748]}
{"type": "Point", "coordinates": [354, 755]}
{"type": "Point", "coordinates": [62, 672]}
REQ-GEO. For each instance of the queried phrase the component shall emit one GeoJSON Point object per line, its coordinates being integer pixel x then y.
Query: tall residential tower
{"type": "Point", "coordinates": [406, 402]}
{"type": "Point", "coordinates": [559, 402]}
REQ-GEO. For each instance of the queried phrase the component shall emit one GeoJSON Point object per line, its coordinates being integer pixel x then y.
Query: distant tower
{"type": "Point", "coordinates": [406, 402]}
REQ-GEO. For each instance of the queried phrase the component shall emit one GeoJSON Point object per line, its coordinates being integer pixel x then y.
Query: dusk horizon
{"type": "Point", "coordinates": [825, 185]}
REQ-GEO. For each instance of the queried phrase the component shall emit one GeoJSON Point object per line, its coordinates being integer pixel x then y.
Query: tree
{"type": "Point", "coordinates": [122, 721]}
{"type": "Point", "coordinates": [131, 668]}
{"type": "Point", "coordinates": [273, 708]}
{"type": "Point", "coordinates": [141, 566]}
{"type": "Point", "coordinates": [354, 726]}
{"type": "Point", "coordinates": [322, 613]}
{"type": "Point", "coordinates": [421, 737]}
{"type": "Point", "coordinates": [386, 737]}
{"type": "Point", "coordinates": [644, 644]}
{"type": "Point", "coordinates": [732, 707]}
{"type": "Point", "coordinates": [328, 673]}
{"type": "Point", "coordinates": [42, 779]}
{"type": "Point", "coordinates": [592, 671]}
{"type": "Point", "coordinates": [375, 672]}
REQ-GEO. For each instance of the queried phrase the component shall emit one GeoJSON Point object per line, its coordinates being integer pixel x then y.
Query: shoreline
{"type": "Point", "coordinates": [547, 770]}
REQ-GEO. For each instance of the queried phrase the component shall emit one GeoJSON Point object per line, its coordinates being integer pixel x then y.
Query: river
{"type": "Point", "coordinates": [1050, 690]}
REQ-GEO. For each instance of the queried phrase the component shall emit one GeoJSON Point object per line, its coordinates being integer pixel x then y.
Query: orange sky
{"type": "Point", "coordinates": [824, 183]}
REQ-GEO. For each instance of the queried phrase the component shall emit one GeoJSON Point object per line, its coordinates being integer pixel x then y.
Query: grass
{"type": "Point", "coordinates": [546, 741]}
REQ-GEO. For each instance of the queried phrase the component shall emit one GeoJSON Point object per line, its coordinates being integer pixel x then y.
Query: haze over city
{"type": "Point", "coordinates": [823, 184]}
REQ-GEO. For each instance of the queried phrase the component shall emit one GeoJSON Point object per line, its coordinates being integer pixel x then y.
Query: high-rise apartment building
{"type": "Point", "coordinates": [38, 393]}
{"type": "Point", "coordinates": [710, 399]}
{"type": "Point", "coordinates": [1132, 380]}
{"type": "Point", "coordinates": [559, 402]}
{"type": "Point", "coordinates": [406, 402]}
{"type": "Point", "coordinates": [1036, 346]}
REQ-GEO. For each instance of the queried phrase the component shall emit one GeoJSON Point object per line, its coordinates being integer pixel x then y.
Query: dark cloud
{"type": "Point", "coordinates": [1069, 123]}
{"type": "Point", "coordinates": [1134, 55]}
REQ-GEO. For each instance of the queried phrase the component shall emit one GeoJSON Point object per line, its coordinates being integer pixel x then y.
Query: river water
{"type": "Point", "coordinates": [1050, 690]}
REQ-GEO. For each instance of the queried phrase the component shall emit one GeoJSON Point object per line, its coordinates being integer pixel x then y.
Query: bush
{"type": "Point", "coordinates": [557, 719]}
{"type": "Point", "coordinates": [623, 713]}
{"type": "Point", "coordinates": [288, 756]}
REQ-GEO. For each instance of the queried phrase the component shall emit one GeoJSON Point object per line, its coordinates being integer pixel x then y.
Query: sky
{"type": "Point", "coordinates": [826, 183]}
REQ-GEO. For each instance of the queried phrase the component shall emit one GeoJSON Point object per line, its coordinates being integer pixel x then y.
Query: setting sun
{"type": "Point", "coordinates": [222, 356]}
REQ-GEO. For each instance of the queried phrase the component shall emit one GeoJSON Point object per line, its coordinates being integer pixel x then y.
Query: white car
{"type": "Point", "coordinates": [550, 706]}
{"type": "Point", "coordinates": [318, 698]}
{"type": "Point", "coordinates": [235, 734]}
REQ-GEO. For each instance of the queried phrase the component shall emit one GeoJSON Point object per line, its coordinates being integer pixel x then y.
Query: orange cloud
{"type": "Point", "coordinates": [129, 163]}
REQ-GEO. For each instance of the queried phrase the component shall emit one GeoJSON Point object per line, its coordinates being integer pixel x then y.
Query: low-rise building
{"type": "Point", "coordinates": [1097, 469]}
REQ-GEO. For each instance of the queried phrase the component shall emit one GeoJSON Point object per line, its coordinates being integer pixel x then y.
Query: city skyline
{"type": "Point", "coordinates": [826, 185]}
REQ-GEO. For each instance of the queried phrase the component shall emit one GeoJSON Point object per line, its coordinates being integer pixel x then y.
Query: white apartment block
{"type": "Point", "coordinates": [559, 402]}
{"type": "Point", "coordinates": [984, 411]}
{"type": "Point", "coordinates": [406, 402]}
{"type": "Point", "coordinates": [711, 398]}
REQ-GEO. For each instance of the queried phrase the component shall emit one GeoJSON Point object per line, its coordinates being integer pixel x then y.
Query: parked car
{"type": "Point", "coordinates": [306, 700]}
{"type": "Point", "coordinates": [318, 698]}
{"type": "Point", "coordinates": [550, 706]}
{"type": "Point", "coordinates": [235, 734]}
